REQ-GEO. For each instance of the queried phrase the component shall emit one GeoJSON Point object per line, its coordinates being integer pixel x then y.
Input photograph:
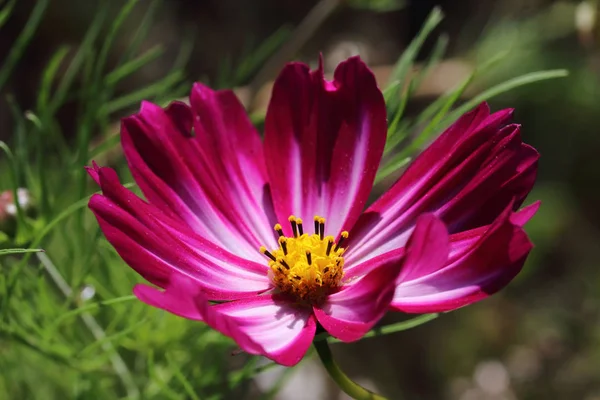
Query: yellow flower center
{"type": "Point", "coordinates": [307, 266]}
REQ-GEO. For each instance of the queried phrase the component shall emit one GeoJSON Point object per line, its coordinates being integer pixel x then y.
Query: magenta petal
{"type": "Point", "coordinates": [466, 177]}
{"type": "Point", "coordinates": [263, 325]}
{"type": "Point", "coordinates": [156, 245]}
{"type": "Point", "coordinates": [177, 298]}
{"type": "Point", "coordinates": [204, 165]}
{"type": "Point", "coordinates": [523, 216]}
{"type": "Point", "coordinates": [359, 305]}
{"type": "Point", "coordinates": [283, 330]}
{"type": "Point", "coordinates": [183, 297]}
{"type": "Point", "coordinates": [427, 249]}
{"type": "Point", "coordinates": [480, 262]}
{"type": "Point", "coordinates": [323, 142]}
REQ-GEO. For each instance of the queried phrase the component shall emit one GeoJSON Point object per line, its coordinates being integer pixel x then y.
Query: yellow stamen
{"type": "Point", "coordinates": [278, 229]}
{"type": "Point", "coordinates": [307, 266]}
{"type": "Point", "coordinates": [294, 223]}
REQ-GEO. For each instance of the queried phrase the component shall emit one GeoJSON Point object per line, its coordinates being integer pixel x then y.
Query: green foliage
{"type": "Point", "coordinates": [406, 136]}
{"type": "Point", "coordinates": [378, 5]}
{"type": "Point", "coordinates": [54, 341]}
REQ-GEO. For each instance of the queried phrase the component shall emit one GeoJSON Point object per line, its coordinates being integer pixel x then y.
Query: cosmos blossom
{"type": "Point", "coordinates": [264, 240]}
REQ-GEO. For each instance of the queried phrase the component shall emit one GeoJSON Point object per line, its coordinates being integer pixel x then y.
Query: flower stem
{"type": "Point", "coordinates": [349, 387]}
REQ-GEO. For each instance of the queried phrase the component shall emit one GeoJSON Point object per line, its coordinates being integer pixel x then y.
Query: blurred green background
{"type": "Point", "coordinates": [70, 69]}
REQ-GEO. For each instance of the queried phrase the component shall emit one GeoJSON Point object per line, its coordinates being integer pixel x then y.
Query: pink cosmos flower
{"type": "Point", "coordinates": [262, 239]}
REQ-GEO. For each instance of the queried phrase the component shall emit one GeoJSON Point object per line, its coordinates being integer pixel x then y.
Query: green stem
{"type": "Point", "coordinates": [349, 387]}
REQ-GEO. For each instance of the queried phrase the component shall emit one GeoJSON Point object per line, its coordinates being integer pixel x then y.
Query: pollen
{"type": "Point", "coordinates": [306, 266]}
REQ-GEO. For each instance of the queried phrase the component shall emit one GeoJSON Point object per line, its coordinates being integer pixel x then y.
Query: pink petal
{"type": "Point", "coordinates": [479, 263]}
{"type": "Point", "coordinates": [265, 325]}
{"type": "Point", "coordinates": [323, 142]}
{"type": "Point", "coordinates": [183, 297]}
{"type": "Point", "coordinates": [466, 177]}
{"type": "Point", "coordinates": [359, 305]}
{"type": "Point", "coordinates": [427, 249]}
{"type": "Point", "coordinates": [156, 245]}
{"type": "Point", "coordinates": [283, 330]}
{"type": "Point", "coordinates": [204, 165]}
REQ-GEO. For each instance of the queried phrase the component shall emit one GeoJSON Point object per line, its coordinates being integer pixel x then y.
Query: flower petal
{"type": "Point", "coordinates": [283, 330]}
{"type": "Point", "coordinates": [156, 245]}
{"type": "Point", "coordinates": [204, 165]}
{"type": "Point", "coordinates": [323, 142]}
{"type": "Point", "coordinates": [359, 305]}
{"type": "Point", "coordinates": [479, 263]}
{"type": "Point", "coordinates": [265, 325]}
{"type": "Point", "coordinates": [183, 297]}
{"type": "Point", "coordinates": [466, 177]}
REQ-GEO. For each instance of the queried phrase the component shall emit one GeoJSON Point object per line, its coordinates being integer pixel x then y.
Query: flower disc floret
{"type": "Point", "coordinates": [306, 266]}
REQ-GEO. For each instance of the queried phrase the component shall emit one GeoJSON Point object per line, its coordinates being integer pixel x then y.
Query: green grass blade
{"type": "Point", "coordinates": [253, 61]}
{"type": "Point", "coordinates": [132, 66]}
{"type": "Point", "coordinates": [86, 47]}
{"type": "Point", "coordinates": [22, 41]}
{"type": "Point", "coordinates": [6, 11]}
{"type": "Point", "coordinates": [89, 307]}
{"type": "Point", "coordinates": [4, 252]}
{"type": "Point", "coordinates": [49, 75]}
{"type": "Point", "coordinates": [141, 33]}
{"type": "Point", "coordinates": [147, 92]}
{"type": "Point", "coordinates": [438, 52]}
{"type": "Point", "coordinates": [187, 386]}
{"type": "Point", "coordinates": [111, 338]}
{"type": "Point", "coordinates": [407, 59]}
{"type": "Point", "coordinates": [112, 33]}
{"type": "Point", "coordinates": [504, 87]}
{"type": "Point", "coordinates": [48, 124]}
{"type": "Point", "coordinates": [107, 145]}
{"type": "Point", "coordinates": [390, 167]}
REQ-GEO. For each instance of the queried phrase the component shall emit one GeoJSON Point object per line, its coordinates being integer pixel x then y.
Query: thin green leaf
{"type": "Point", "coordinates": [402, 68]}
{"type": "Point", "coordinates": [6, 11]}
{"type": "Point", "coordinates": [111, 338]}
{"type": "Point", "coordinates": [187, 386]}
{"type": "Point", "coordinates": [4, 252]}
{"type": "Point", "coordinates": [112, 33]}
{"type": "Point", "coordinates": [43, 101]}
{"type": "Point", "coordinates": [22, 41]}
{"type": "Point", "coordinates": [132, 66]}
{"type": "Point", "coordinates": [89, 307]}
{"type": "Point", "coordinates": [391, 90]}
{"type": "Point", "coordinates": [157, 378]}
{"type": "Point", "coordinates": [378, 5]}
{"type": "Point", "coordinates": [391, 167]}
{"type": "Point", "coordinates": [48, 76]}
{"type": "Point", "coordinates": [407, 59]}
{"type": "Point", "coordinates": [87, 47]}
{"type": "Point", "coordinates": [503, 87]}
{"type": "Point", "coordinates": [21, 153]}
{"type": "Point", "coordinates": [253, 61]}
{"type": "Point", "coordinates": [147, 92]}
{"type": "Point", "coordinates": [107, 145]}
{"type": "Point", "coordinates": [141, 33]}
{"type": "Point", "coordinates": [436, 55]}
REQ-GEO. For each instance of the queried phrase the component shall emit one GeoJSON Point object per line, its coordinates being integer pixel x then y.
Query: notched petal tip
{"type": "Point", "coordinates": [182, 117]}
{"type": "Point", "coordinates": [93, 172]}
